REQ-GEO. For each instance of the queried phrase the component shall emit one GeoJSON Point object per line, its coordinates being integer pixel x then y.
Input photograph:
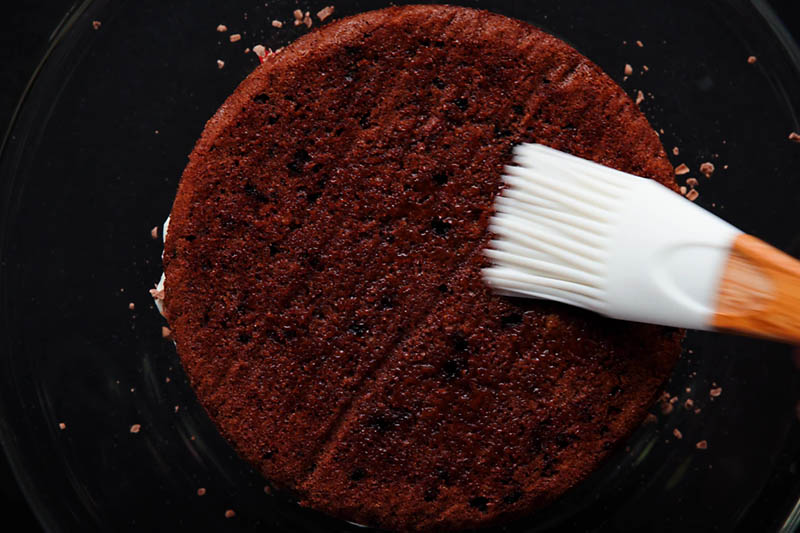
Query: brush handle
{"type": "Point", "coordinates": [760, 292]}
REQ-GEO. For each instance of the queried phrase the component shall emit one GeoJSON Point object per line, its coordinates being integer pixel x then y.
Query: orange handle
{"type": "Point", "coordinates": [759, 293]}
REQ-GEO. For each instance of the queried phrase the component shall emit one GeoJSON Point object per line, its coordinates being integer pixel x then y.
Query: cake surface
{"type": "Point", "coordinates": [323, 272]}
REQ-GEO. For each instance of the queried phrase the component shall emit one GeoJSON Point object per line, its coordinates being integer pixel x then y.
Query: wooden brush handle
{"type": "Point", "coordinates": [760, 292]}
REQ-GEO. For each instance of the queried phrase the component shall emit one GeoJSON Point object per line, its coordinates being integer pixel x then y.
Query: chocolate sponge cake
{"type": "Point", "coordinates": [323, 273]}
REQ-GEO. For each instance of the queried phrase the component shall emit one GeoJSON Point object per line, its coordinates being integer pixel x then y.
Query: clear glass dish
{"type": "Point", "coordinates": [92, 162]}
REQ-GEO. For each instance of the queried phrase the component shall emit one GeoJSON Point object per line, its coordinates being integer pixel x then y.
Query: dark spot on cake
{"type": "Point", "coordinates": [272, 120]}
{"type": "Point", "coordinates": [512, 319]}
{"type": "Point", "coordinates": [244, 338]}
{"type": "Point", "coordinates": [363, 121]}
{"type": "Point", "coordinates": [431, 494]}
{"type": "Point", "coordinates": [380, 423]}
{"type": "Point", "coordinates": [616, 389]}
{"type": "Point", "coordinates": [189, 238]}
{"type": "Point", "coordinates": [454, 367]}
{"type": "Point", "coordinates": [512, 497]}
{"type": "Point", "coordinates": [358, 329]}
{"type": "Point", "coordinates": [461, 103]}
{"type": "Point", "coordinates": [440, 178]}
{"type": "Point", "coordinates": [517, 109]}
{"type": "Point", "coordinates": [603, 429]}
{"type": "Point", "coordinates": [479, 503]}
{"type": "Point", "coordinates": [299, 159]}
{"type": "Point", "coordinates": [438, 83]}
{"type": "Point", "coordinates": [261, 98]}
{"type": "Point", "coordinates": [443, 288]}
{"type": "Point", "coordinates": [386, 302]}
{"type": "Point", "coordinates": [312, 197]}
{"type": "Point", "coordinates": [358, 474]}
{"type": "Point", "coordinates": [440, 227]}
{"type": "Point", "coordinates": [267, 455]}
{"type": "Point", "coordinates": [459, 343]}
{"type": "Point", "coordinates": [613, 410]}
{"type": "Point", "coordinates": [273, 249]}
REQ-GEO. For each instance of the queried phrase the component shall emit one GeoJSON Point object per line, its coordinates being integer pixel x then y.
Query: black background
{"type": "Point", "coordinates": [26, 32]}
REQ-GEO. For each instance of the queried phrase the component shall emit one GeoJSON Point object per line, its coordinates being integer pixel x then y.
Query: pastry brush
{"type": "Point", "coordinates": [577, 232]}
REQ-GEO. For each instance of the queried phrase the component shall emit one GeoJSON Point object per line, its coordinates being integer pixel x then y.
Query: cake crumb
{"type": "Point", "coordinates": [157, 293]}
{"type": "Point", "coordinates": [220, 63]}
{"type": "Point", "coordinates": [324, 13]}
{"type": "Point", "coordinates": [307, 19]}
{"type": "Point", "coordinates": [702, 445]}
{"type": "Point", "coordinates": [688, 390]}
{"type": "Point", "coordinates": [165, 332]}
{"type": "Point", "coordinates": [707, 169]}
{"type": "Point", "coordinates": [222, 28]}
{"type": "Point", "coordinates": [688, 404]}
{"type": "Point", "coordinates": [277, 24]}
{"type": "Point", "coordinates": [201, 491]}
{"type": "Point", "coordinates": [260, 51]}
{"type": "Point", "coordinates": [673, 400]}
{"type": "Point", "coordinates": [135, 428]}
{"type": "Point", "coordinates": [675, 150]}
{"type": "Point", "coordinates": [697, 411]}
{"type": "Point", "coordinates": [677, 433]}
{"type": "Point", "coordinates": [154, 232]}
{"type": "Point", "coordinates": [96, 24]}
{"type": "Point", "coordinates": [752, 59]}
{"type": "Point", "coordinates": [640, 44]}
{"type": "Point", "coordinates": [62, 426]}
{"type": "Point", "coordinates": [177, 408]}
{"type": "Point", "coordinates": [794, 136]}
{"type": "Point", "coordinates": [692, 195]}
{"type": "Point", "coordinates": [724, 167]}
{"type": "Point", "coordinates": [628, 69]}
{"type": "Point", "coordinates": [131, 306]}
{"type": "Point", "coordinates": [298, 17]}
{"type": "Point", "coordinates": [267, 490]}
{"type": "Point", "coordinates": [683, 190]}
{"type": "Point", "coordinates": [666, 408]}
{"type": "Point", "coordinates": [639, 97]}
{"type": "Point", "coordinates": [645, 68]}
{"type": "Point", "coordinates": [681, 169]}
{"type": "Point", "coordinates": [235, 37]}
{"type": "Point", "coordinates": [230, 513]}
{"type": "Point", "coordinates": [650, 418]}
{"type": "Point", "coordinates": [692, 182]}
{"type": "Point", "coordinates": [715, 393]}
{"type": "Point", "coordinates": [167, 379]}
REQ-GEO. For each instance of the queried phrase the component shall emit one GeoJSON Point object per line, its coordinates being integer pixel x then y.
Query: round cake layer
{"type": "Point", "coordinates": [323, 272]}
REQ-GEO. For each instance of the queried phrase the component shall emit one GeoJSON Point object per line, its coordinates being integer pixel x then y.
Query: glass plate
{"type": "Point", "coordinates": [92, 162]}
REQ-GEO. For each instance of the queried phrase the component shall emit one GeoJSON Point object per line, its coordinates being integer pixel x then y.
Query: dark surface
{"type": "Point", "coordinates": [99, 170]}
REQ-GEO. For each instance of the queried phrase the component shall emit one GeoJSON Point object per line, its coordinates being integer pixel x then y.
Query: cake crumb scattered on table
{"type": "Point", "coordinates": [62, 426]}
{"type": "Point", "coordinates": [96, 24]}
{"type": "Point", "coordinates": [692, 182]}
{"type": "Point", "coordinates": [201, 491]}
{"type": "Point", "coordinates": [307, 19]}
{"type": "Point", "coordinates": [324, 13]}
{"type": "Point", "coordinates": [716, 392]}
{"type": "Point", "coordinates": [683, 190]}
{"type": "Point", "coordinates": [677, 433]}
{"type": "Point", "coordinates": [177, 408]}
{"type": "Point", "coordinates": [752, 59]}
{"type": "Point", "coordinates": [639, 97]}
{"type": "Point", "coordinates": [135, 428]}
{"type": "Point", "coordinates": [157, 293]}
{"type": "Point", "coordinates": [235, 37]}
{"type": "Point", "coordinates": [298, 17]}
{"type": "Point", "coordinates": [794, 136]}
{"type": "Point", "coordinates": [222, 28]}
{"type": "Point", "coordinates": [681, 169]}
{"type": "Point", "coordinates": [688, 404]}
{"type": "Point", "coordinates": [167, 379]}
{"type": "Point", "coordinates": [692, 195]}
{"type": "Point", "coordinates": [220, 63]}
{"type": "Point", "coordinates": [697, 410]}
{"type": "Point", "coordinates": [267, 490]}
{"type": "Point", "coordinates": [277, 24]}
{"type": "Point", "coordinates": [628, 69]}
{"type": "Point", "coordinates": [230, 513]}
{"type": "Point", "coordinates": [675, 150]}
{"type": "Point", "coordinates": [645, 68]}
{"type": "Point", "coordinates": [666, 408]}
{"type": "Point", "coordinates": [165, 332]}
{"type": "Point", "coordinates": [650, 418]}
{"type": "Point", "coordinates": [131, 306]}
{"type": "Point", "coordinates": [260, 50]}
{"type": "Point", "coordinates": [707, 169]}
{"type": "Point", "coordinates": [640, 44]}
{"type": "Point", "coordinates": [154, 232]}
{"type": "Point", "coordinates": [702, 445]}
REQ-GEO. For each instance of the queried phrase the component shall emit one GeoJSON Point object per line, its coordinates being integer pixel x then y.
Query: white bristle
{"type": "Point", "coordinates": [577, 232]}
